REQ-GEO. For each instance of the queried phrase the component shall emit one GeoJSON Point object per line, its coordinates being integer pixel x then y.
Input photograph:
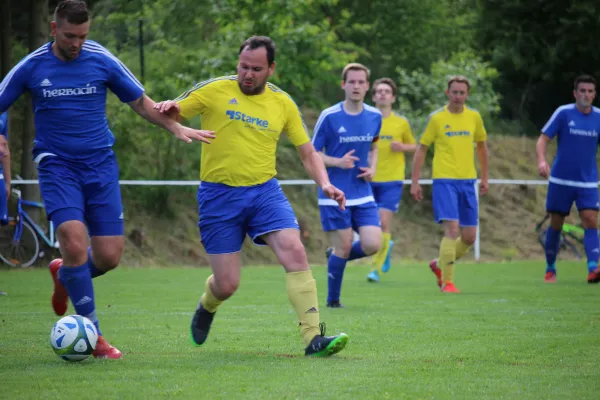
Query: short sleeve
{"type": "Point", "coordinates": [553, 125]}
{"type": "Point", "coordinates": [320, 132]}
{"type": "Point", "coordinates": [192, 102]}
{"type": "Point", "coordinates": [480, 134]}
{"type": "Point", "coordinates": [122, 82]}
{"type": "Point", "coordinates": [294, 127]}
{"type": "Point", "coordinates": [429, 133]}
{"type": "Point", "coordinates": [407, 133]}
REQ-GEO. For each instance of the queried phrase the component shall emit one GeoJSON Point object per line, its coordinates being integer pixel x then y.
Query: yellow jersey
{"type": "Point", "coordinates": [391, 165]}
{"type": "Point", "coordinates": [247, 129]}
{"type": "Point", "coordinates": [454, 136]}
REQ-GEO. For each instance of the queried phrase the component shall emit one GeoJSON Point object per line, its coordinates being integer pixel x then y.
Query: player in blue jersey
{"type": "Point", "coordinates": [68, 80]}
{"type": "Point", "coordinates": [574, 173]}
{"type": "Point", "coordinates": [346, 135]}
{"type": "Point", "coordinates": [4, 168]}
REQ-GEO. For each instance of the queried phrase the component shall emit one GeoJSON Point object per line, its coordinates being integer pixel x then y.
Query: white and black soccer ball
{"type": "Point", "coordinates": [73, 338]}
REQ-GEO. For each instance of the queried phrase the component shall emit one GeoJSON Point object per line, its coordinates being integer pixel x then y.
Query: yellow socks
{"type": "Point", "coordinates": [447, 258]}
{"type": "Point", "coordinates": [381, 255]}
{"type": "Point", "coordinates": [208, 300]}
{"type": "Point", "coordinates": [461, 248]}
{"type": "Point", "coordinates": [302, 292]}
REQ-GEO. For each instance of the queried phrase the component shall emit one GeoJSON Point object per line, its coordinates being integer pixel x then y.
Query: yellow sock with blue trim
{"type": "Point", "coordinates": [447, 258]}
{"type": "Point", "coordinates": [302, 293]}
{"type": "Point", "coordinates": [381, 255]}
{"type": "Point", "coordinates": [208, 300]}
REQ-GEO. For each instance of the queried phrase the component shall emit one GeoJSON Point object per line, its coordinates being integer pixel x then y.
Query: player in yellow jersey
{"type": "Point", "coordinates": [395, 139]}
{"type": "Point", "coordinates": [455, 130]}
{"type": "Point", "coordinates": [239, 194]}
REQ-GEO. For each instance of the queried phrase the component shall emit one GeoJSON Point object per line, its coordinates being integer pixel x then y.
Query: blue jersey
{"type": "Point", "coordinates": [336, 133]}
{"type": "Point", "coordinates": [3, 132]}
{"type": "Point", "coordinates": [69, 99]}
{"type": "Point", "coordinates": [577, 134]}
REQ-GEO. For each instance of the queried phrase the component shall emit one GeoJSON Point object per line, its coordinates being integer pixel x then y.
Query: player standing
{"type": "Point", "coordinates": [68, 80]}
{"type": "Point", "coordinates": [395, 139]}
{"type": "Point", "coordinates": [574, 173]}
{"type": "Point", "coordinates": [346, 135]}
{"type": "Point", "coordinates": [454, 129]}
{"type": "Point", "coordinates": [239, 194]}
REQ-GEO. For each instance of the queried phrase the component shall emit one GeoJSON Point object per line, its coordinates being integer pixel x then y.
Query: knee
{"type": "Point", "coordinates": [108, 259]}
{"type": "Point", "coordinates": [343, 250]}
{"type": "Point", "coordinates": [73, 245]}
{"type": "Point", "coordinates": [372, 245]}
{"type": "Point", "coordinates": [589, 222]}
{"type": "Point", "coordinates": [294, 256]}
{"type": "Point", "coordinates": [225, 286]}
{"type": "Point", "coordinates": [468, 238]}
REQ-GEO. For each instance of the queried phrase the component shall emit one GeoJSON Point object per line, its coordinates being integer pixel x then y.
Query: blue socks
{"type": "Point", "coordinates": [356, 251]}
{"type": "Point", "coordinates": [335, 275]}
{"type": "Point", "coordinates": [591, 243]}
{"type": "Point", "coordinates": [78, 282]}
{"type": "Point", "coordinates": [94, 271]}
{"type": "Point", "coordinates": [551, 245]}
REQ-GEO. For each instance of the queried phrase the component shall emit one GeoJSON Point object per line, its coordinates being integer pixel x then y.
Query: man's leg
{"type": "Point", "coordinates": [587, 204]}
{"type": "Point", "coordinates": [302, 293]}
{"type": "Point", "coordinates": [380, 258]}
{"type": "Point", "coordinates": [446, 212]}
{"type": "Point", "coordinates": [218, 287]}
{"type": "Point", "coordinates": [558, 205]}
{"type": "Point", "coordinates": [341, 241]}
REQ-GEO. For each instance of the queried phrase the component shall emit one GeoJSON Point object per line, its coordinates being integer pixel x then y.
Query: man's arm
{"type": "Point", "coordinates": [5, 163]}
{"type": "Point", "coordinates": [482, 155]}
{"type": "Point", "coordinates": [540, 149]}
{"type": "Point", "coordinates": [369, 172]}
{"type": "Point", "coordinates": [314, 166]}
{"type": "Point", "coordinates": [400, 147]}
{"type": "Point", "coordinates": [345, 162]}
{"type": "Point", "coordinates": [149, 110]}
{"type": "Point", "coordinates": [418, 160]}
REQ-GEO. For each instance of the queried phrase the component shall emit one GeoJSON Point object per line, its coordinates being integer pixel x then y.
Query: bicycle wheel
{"type": "Point", "coordinates": [22, 252]}
{"type": "Point", "coordinates": [567, 245]}
{"type": "Point", "coordinates": [542, 237]}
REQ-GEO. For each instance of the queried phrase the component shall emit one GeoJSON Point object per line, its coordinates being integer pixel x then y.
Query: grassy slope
{"type": "Point", "coordinates": [508, 215]}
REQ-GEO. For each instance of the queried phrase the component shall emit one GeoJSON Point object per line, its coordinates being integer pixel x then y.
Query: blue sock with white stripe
{"type": "Point", "coordinates": [591, 244]}
{"type": "Point", "coordinates": [335, 275]}
{"type": "Point", "coordinates": [551, 248]}
{"type": "Point", "coordinates": [78, 282]}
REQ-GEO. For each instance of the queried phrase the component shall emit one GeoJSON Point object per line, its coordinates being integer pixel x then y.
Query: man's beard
{"type": "Point", "coordinates": [250, 91]}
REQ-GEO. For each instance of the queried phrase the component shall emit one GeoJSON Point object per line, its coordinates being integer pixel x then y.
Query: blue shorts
{"type": "Point", "coordinates": [387, 194]}
{"type": "Point", "coordinates": [560, 198]}
{"type": "Point", "coordinates": [83, 191]}
{"type": "Point", "coordinates": [228, 214]}
{"type": "Point", "coordinates": [333, 219]}
{"type": "Point", "coordinates": [3, 203]}
{"type": "Point", "coordinates": [455, 200]}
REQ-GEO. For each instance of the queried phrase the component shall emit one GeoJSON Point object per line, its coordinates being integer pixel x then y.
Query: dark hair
{"type": "Point", "coordinates": [584, 79]}
{"type": "Point", "coordinates": [74, 11]}
{"type": "Point", "coordinates": [387, 81]}
{"type": "Point", "coordinates": [256, 42]}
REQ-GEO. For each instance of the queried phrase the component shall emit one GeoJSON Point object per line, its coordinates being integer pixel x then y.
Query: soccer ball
{"type": "Point", "coordinates": [73, 338]}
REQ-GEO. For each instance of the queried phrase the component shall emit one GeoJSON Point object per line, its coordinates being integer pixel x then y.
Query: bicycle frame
{"type": "Point", "coordinates": [48, 239]}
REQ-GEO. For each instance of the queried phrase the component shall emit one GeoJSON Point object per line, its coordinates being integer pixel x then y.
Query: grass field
{"type": "Point", "coordinates": [508, 335]}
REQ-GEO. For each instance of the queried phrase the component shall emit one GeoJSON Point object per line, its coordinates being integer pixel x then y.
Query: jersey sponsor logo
{"type": "Point", "coordinates": [239, 116]}
{"type": "Point", "coordinates": [583, 132]}
{"type": "Point", "coordinates": [82, 91]}
{"type": "Point", "coordinates": [386, 137]}
{"type": "Point", "coordinates": [353, 139]}
{"type": "Point", "coordinates": [457, 133]}
{"type": "Point", "coordinates": [46, 83]}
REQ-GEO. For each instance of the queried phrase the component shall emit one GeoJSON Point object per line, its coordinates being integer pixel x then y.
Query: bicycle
{"type": "Point", "coordinates": [20, 238]}
{"type": "Point", "coordinates": [568, 234]}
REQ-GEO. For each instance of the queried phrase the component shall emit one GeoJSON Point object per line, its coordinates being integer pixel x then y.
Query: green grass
{"type": "Point", "coordinates": [507, 335]}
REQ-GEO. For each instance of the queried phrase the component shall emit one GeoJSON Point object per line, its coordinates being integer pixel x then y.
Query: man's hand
{"type": "Point", "coordinates": [398, 146]}
{"type": "Point", "coordinates": [544, 169]}
{"type": "Point", "coordinates": [416, 191]}
{"type": "Point", "coordinates": [168, 107]}
{"type": "Point", "coordinates": [186, 134]}
{"type": "Point", "coordinates": [483, 187]}
{"type": "Point", "coordinates": [347, 162]}
{"type": "Point", "coordinates": [367, 173]}
{"type": "Point", "coordinates": [336, 194]}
